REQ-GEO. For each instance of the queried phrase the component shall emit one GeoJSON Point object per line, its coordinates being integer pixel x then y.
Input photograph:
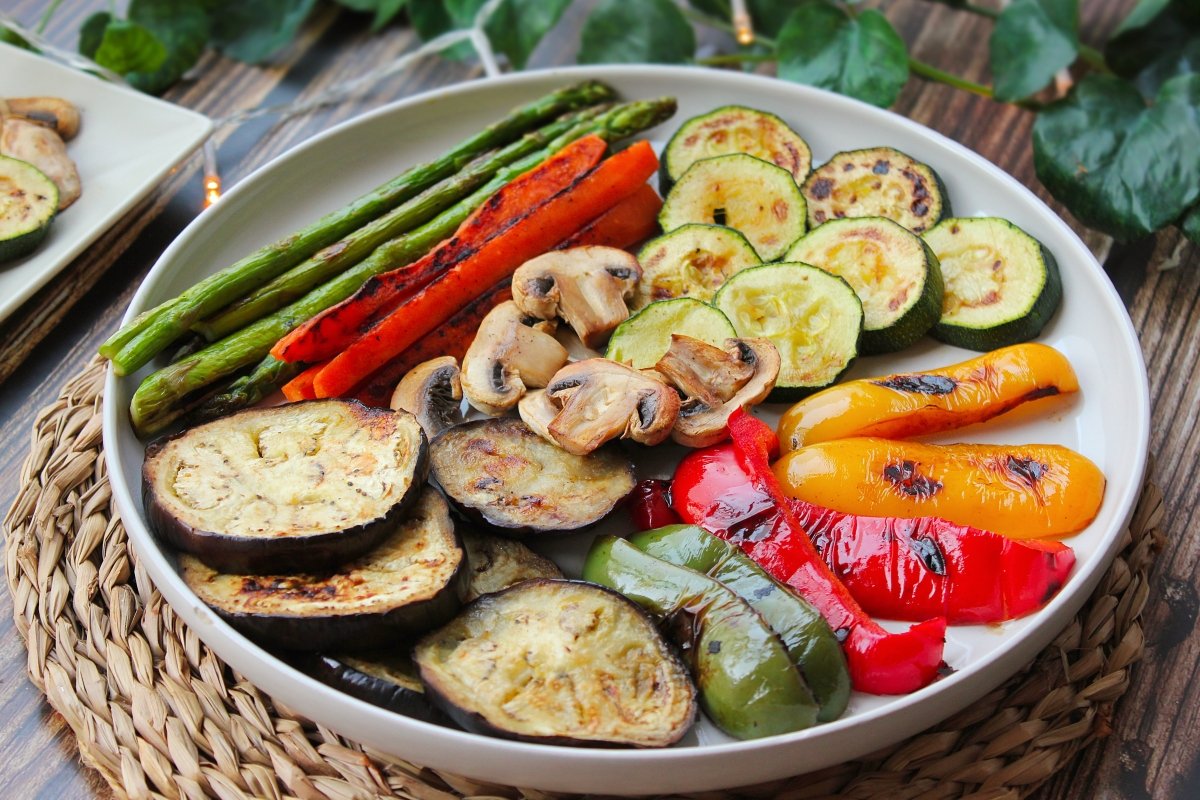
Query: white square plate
{"type": "Point", "coordinates": [127, 142]}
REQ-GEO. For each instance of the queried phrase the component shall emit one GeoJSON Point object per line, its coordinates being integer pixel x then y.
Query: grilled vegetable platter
{"type": "Point", "coordinates": [518, 444]}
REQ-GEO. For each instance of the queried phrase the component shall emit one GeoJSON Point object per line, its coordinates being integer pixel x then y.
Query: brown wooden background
{"type": "Point", "coordinates": [1153, 750]}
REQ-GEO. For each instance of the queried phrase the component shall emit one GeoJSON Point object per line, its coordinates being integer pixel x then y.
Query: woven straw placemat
{"type": "Point", "coordinates": [159, 715]}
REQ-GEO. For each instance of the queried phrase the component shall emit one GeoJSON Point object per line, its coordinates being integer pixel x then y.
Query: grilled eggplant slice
{"type": "Point", "coordinates": [559, 662]}
{"type": "Point", "coordinates": [500, 473]}
{"type": "Point", "coordinates": [286, 489]}
{"type": "Point", "coordinates": [386, 679]}
{"type": "Point", "coordinates": [497, 563]}
{"type": "Point", "coordinates": [411, 582]}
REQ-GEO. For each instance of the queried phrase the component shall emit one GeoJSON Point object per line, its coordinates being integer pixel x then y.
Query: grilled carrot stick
{"type": "Point", "coordinates": [629, 222]}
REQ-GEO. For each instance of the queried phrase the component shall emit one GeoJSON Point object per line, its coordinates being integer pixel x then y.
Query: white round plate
{"type": "Point", "coordinates": [1108, 422]}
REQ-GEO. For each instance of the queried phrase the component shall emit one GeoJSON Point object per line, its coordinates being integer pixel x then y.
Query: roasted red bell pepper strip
{"type": "Point", "coordinates": [910, 569]}
{"type": "Point", "coordinates": [649, 505]}
{"type": "Point", "coordinates": [880, 662]}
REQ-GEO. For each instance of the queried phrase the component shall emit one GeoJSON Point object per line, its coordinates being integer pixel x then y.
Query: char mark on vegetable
{"type": "Point", "coordinates": [931, 554]}
{"type": "Point", "coordinates": [919, 384]}
{"type": "Point", "coordinates": [1027, 470]}
{"type": "Point", "coordinates": [907, 480]}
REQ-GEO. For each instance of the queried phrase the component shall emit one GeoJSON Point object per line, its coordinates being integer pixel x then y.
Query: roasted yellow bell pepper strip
{"type": "Point", "coordinates": [1020, 491]}
{"type": "Point", "coordinates": [916, 403]}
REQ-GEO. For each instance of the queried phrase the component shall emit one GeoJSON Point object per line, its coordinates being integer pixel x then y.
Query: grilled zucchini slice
{"type": "Point", "coordinates": [290, 488]}
{"type": "Point", "coordinates": [641, 340]}
{"type": "Point", "coordinates": [757, 198]}
{"type": "Point", "coordinates": [734, 129]}
{"type": "Point", "coordinates": [413, 581]}
{"type": "Point", "coordinates": [28, 204]}
{"type": "Point", "coordinates": [876, 182]}
{"type": "Point", "coordinates": [559, 662]}
{"type": "Point", "coordinates": [1002, 285]}
{"type": "Point", "coordinates": [500, 473]}
{"type": "Point", "coordinates": [891, 269]}
{"type": "Point", "coordinates": [812, 317]}
{"type": "Point", "coordinates": [691, 261]}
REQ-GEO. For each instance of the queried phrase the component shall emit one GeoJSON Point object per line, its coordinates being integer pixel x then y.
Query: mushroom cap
{"type": "Point", "coordinates": [600, 400]}
{"type": "Point", "coordinates": [586, 286]}
{"type": "Point", "coordinates": [715, 382]}
{"type": "Point", "coordinates": [432, 392]}
{"type": "Point", "coordinates": [508, 356]}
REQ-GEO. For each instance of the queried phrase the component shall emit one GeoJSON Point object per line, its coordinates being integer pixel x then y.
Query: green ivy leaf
{"type": "Point", "coordinates": [182, 26]}
{"type": "Point", "coordinates": [1190, 224]}
{"type": "Point", "coordinates": [255, 31]}
{"type": "Point", "coordinates": [1121, 167]}
{"type": "Point", "coordinates": [861, 56]}
{"type": "Point", "coordinates": [517, 26]}
{"type": "Point", "coordinates": [621, 32]}
{"type": "Point", "coordinates": [1033, 40]}
{"type": "Point", "coordinates": [431, 18]}
{"type": "Point", "coordinates": [128, 47]}
{"type": "Point", "coordinates": [384, 10]}
{"type": "Point", "coordinates": [91, 33]}
{"type": "Point", "coordinates": [1152, 48]}
{"type": "Point", "coordinates": [15, 39]}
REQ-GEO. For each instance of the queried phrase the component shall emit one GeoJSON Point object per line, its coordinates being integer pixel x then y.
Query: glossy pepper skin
{"type": "Point", "coordinates": [807, 636]}
{"type": "Point", "coordinates": [748, 684]}
{"type": "Point", "coordinates": [649, 505]}
{"type": "Point", "coordinates": [908, 569]}
{"type": "Point", "coordinates": [767, 529]}
{"type": "Point", "coordinates": [917, 403]}
{"type": "Point", "coordinates": [1021, 491]}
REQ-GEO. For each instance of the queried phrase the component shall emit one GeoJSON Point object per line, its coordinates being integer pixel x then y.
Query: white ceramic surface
{"type": "Point", "coordinates": [1108, 422]}
{"type": "Point", "coordinates": [127, 142]}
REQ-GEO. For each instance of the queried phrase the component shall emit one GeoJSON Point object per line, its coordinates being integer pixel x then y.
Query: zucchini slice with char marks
{"type": "Point", "coordinates": [500, 473]}
{"type": "Point", "coordinates": [813, 318]}
{"type": "Point", "coordinates": [28, 204]}
{"type": "Point", "coordinates": [734, 129]}
{"type": "Point", "coordinates": [1002, 285]}
{"type": "Point", "coordinates": [691, 261]}
{"type": "Point", "coordinates": [559, 662]}
{"type": "Point", "coordinates": [641, 340]}
{"type": "Point", "coordinates": [892, 271]}
{"type": "Point", "coordinates": [411, 582]}
{"type": "Point", "coordinates": [757, 198]}
{"type": "Point", "coordinates": [285, 489]}
{"type": "Point", "coordinates": [876, 182]}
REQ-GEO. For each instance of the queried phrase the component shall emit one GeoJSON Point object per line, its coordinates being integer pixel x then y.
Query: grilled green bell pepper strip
{"type": "Point", "coordinates": [805, 633]}
{"type": "Point", "coordinates": [748, 684]}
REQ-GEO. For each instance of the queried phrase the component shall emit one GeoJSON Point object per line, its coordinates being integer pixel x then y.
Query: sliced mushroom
{"type": "Point", "coordinates": [510, 354]}
{"type": "Point", "coordinates": [50, 112]}
{"type": "Point", "coordinates": [537, 411]}
{"type": "Point", "coordinates": [42, 147]}
{"type": "Point", "coordinates": [432, 392]}
{"type": "Point", "coordinates": [586, 286]}
{"type": "Point", "coordinates": [716, 382]}
{"type": "Point", "coordinates": [599, 400]}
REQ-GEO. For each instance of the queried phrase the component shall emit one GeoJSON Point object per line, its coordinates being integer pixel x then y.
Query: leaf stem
{"type": "Point", "coordinates": [726, 59]}
{"type": "Point", "coordinates": [932, 73]}
{"type": "Point", "coordinates": [1094, 59]}
{"type": "Point", "coordinates": [46, 15]}
{"type": "Point", "coordinates": [982, 11]}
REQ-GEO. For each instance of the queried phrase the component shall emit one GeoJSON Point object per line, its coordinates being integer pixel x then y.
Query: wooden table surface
{"type": "Point", "coordinates": [1153, 750]}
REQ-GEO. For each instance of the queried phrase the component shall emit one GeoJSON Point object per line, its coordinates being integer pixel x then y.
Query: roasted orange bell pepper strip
{"type": "Point", "coordinates": [916, 403]}
{"type": "Point", "coordinates": [1020, 491]}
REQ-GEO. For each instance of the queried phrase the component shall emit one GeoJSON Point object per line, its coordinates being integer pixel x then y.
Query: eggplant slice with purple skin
{"type": "Point", "coordinates": [388, 680]}
{"type": "Point", "coordinates": [285, 489]}
{"type": "Point", "coordinates": [500, 473]}
{"type": "Point", "coordinates": [497, 563]}
{"type": "Point", "coordinates": [559, 662]}
{"type": "Point", "coordinates": [413, 581]}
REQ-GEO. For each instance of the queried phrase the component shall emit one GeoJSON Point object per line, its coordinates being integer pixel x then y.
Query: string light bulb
{"type": "Point", "coordinates": [743, 27]}
{"type": "Point", "coordinates": [212, 189]}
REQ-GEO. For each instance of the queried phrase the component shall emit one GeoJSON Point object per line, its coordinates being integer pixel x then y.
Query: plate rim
{"type": "Point", "coordinates": [44, 273]}
{"type": "Point", "coordinates": [948, 689]}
